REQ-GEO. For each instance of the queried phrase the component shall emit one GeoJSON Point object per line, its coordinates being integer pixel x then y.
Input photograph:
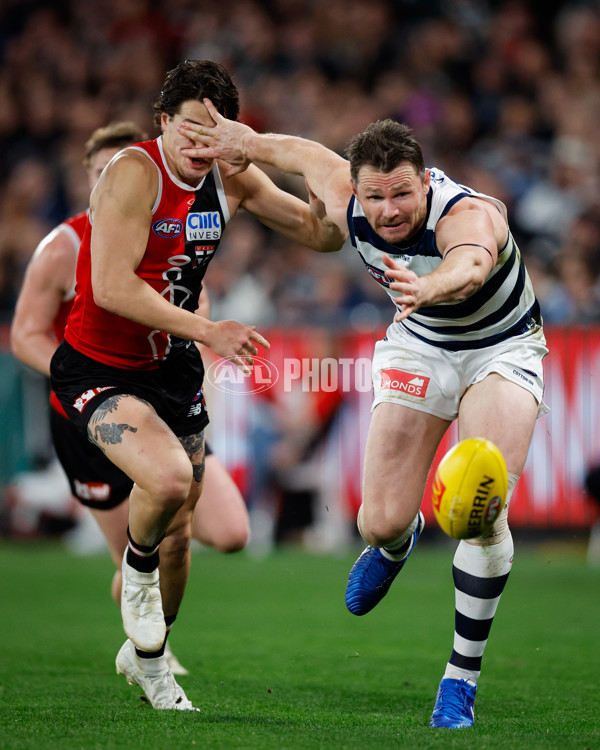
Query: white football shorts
{"type": "Point", "coordinates": [421, 376]}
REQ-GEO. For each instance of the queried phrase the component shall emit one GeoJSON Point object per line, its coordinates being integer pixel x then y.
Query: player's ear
{"type": "Point", "coordinates": [353, 186]}
{"type": "Point", "coordinates": [426, 181]}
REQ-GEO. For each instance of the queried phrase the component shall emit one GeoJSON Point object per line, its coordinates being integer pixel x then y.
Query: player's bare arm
{"type": "Point", "coordinates": [121, 210]}
{"type": "Point", "coordinates": [48, 278]}
{"type": "Point", "coordinates": [285, 213]}
{"type": "Point", "coordinates": [468, 238]}
{"type": "Point", "coordinates": [327, 173]}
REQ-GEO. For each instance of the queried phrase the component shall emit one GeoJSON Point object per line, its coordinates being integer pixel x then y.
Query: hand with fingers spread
{"type": "Point", "coordinates": [236, 342]}
{"type": "Point", "coordinates": [225, 140]}
{"type": "Point", "coordinates": [408, 284]}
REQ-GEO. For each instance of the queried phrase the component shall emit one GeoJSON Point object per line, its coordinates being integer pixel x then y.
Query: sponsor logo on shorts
{"type": "Point", "coordinates": [167, 227]}
{"type": "Point", "coordinates": [519, 374]}
{"type": "Point", "coordinates": [81, 401]}
{"type": "Point", "coordinates": [404, 382]}
{"type": "Point", "coordinates": [92, 490]}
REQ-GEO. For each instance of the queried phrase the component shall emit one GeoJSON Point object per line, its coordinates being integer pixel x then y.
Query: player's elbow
{"type": "Point", "coordinates": [327, 248]}
{"type": "Point", "coordinates": [105, 295]}
{"type": "Point", "coordinates": [328, 239]}
{"type": "Point", "coordinates": [16, 342]}
{"type": "Point", "coordinates": [479, 274]}
{"type": "Point", "coordinates": [472, 281]}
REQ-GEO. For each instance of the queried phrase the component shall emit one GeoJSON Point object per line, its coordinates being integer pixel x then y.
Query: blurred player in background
{"type": "Point", "coordinates": [466, 343]}
{"type": "Point", "coordinates": [220, 518]}
{"type": "Point", "coordinates": [128, 372]}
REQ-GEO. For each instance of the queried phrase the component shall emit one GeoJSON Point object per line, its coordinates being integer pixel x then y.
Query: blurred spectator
{"type": "Point", "coordinates": [581, 285]}
{"type": "Point", "coordinates": [552, 204]}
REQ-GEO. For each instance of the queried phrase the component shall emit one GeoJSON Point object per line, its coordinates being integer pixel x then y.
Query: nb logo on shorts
{"type": "Point", "coordinates": [195, 410]}
{"type": "Point", "coordinates": [405, 382]}
{"type": "Point", "coordinates": [198, 405]}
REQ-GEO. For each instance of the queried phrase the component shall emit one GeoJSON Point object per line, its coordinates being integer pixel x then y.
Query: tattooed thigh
{"type": "Point", "coordinates": [101, 431]}
{"type": "Point", "coordinates": [194, 447]}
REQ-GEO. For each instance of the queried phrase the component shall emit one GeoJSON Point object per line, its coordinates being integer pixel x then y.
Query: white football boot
{"type": "Point", "coordinates": [141, 608]}
{"type": "Point", "coordinates": [155, 679]}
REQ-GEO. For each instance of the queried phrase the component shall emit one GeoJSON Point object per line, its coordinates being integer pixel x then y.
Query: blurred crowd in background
{"type": "Point", "coordinates": [503, 95]}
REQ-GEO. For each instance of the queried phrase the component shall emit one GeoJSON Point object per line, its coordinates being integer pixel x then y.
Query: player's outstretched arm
{"type": "Point", "coordinates": [305, 223]}
{"type": "Point", "coordinates": [327, 173]}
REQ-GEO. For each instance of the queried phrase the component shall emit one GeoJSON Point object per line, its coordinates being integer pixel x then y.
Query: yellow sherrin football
{"type": "Point", "coordinates": [469, 488]}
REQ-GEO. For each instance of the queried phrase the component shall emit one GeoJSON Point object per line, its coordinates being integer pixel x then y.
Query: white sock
{"type": "Point", "coordinates": [480, 574]}
{"type": "Point", "coordinates": [398, 549]}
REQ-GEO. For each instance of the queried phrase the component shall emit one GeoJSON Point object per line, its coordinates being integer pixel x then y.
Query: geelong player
{"type": "Point", "coordinates": [220, 519]}
{"type": "Point", "coordinates": [467, 335]}
{"type": "Point", "coordinates": [128, 372]}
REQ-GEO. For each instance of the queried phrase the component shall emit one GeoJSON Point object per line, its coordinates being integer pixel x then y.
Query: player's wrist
{"type": "Point", "coordinates": [250, 145]}
{"type": "Point", "coordinates": [206, 330]}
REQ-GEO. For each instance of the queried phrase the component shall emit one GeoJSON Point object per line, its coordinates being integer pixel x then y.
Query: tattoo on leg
{"type": "Point", "coordinates": [194, 447]}
{"type": "Point", "coordinates": [198, 470]}
{"type": "Point", "coordinates": [110, 434]}
{"type": "Point", "coordinates": [108, 406]}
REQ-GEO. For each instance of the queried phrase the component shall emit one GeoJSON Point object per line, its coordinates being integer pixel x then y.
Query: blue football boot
{"type": "Point", "coordinates": [372, 575]}
{"type": "Point", "coordinates": [454, 704]}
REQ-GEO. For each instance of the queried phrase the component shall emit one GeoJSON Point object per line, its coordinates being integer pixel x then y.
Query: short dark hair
{"type": "Point", "coordinates": [115, 135]}
{"type": "Point", "coordinates": [384, 145]}
{"type": "Point", "coordinates": [198, 79]}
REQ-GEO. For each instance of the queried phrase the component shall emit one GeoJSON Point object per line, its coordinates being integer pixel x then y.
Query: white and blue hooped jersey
{"type": "Point", "coordinates": [505, 306]}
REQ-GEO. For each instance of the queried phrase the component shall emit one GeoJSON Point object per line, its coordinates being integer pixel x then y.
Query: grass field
{"type": "Point", "coordinates": [276, 661]}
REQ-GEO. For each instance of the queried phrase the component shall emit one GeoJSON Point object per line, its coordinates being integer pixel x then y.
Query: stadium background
{"type": "Point", "coordinates": [504, 96]}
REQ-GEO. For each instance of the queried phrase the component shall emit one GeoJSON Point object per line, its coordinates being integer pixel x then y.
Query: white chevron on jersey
{"type": "Point", "coordinates": [505, 305]}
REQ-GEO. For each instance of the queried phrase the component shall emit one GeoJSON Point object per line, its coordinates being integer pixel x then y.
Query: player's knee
{"type": "Point", "coordinates": [171, 485]}
{"type": "Point", "coordinates": [380, 528]}
{"type": "Point", "coordinates": [234, 539]}
{"type": "Point", "coordinates": [499, 532]}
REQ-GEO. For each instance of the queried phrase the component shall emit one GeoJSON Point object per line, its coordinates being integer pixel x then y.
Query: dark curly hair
{"type": "Point", "coordinates": [384, 145]}
{"type": "Point", "coordinates": [197, 79]}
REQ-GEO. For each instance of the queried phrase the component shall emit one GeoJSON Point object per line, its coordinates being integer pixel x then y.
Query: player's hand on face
{"type": "Point", "coordinates": [236, 342]}
{"type": "Point", "coordinates": [407, 283]}
{"type": "Point", "coordinates": [224, 140]}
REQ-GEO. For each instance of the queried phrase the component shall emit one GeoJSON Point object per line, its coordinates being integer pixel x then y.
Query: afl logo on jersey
{"type": "Point", "coordinates": [378, 275]}
{"type": "Point", "coordinates": [167, 227]}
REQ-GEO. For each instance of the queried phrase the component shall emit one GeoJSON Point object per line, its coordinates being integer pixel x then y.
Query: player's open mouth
{"type": "Point", "coordinates": [199, 163]}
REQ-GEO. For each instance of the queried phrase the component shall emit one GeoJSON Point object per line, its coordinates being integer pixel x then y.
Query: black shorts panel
{"type": "Point", "coordinates": [174, 389]}
{"type": "Point", "coordinates": [208, 451]}
{"type": "Point", "coordinates": [94, 480]}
